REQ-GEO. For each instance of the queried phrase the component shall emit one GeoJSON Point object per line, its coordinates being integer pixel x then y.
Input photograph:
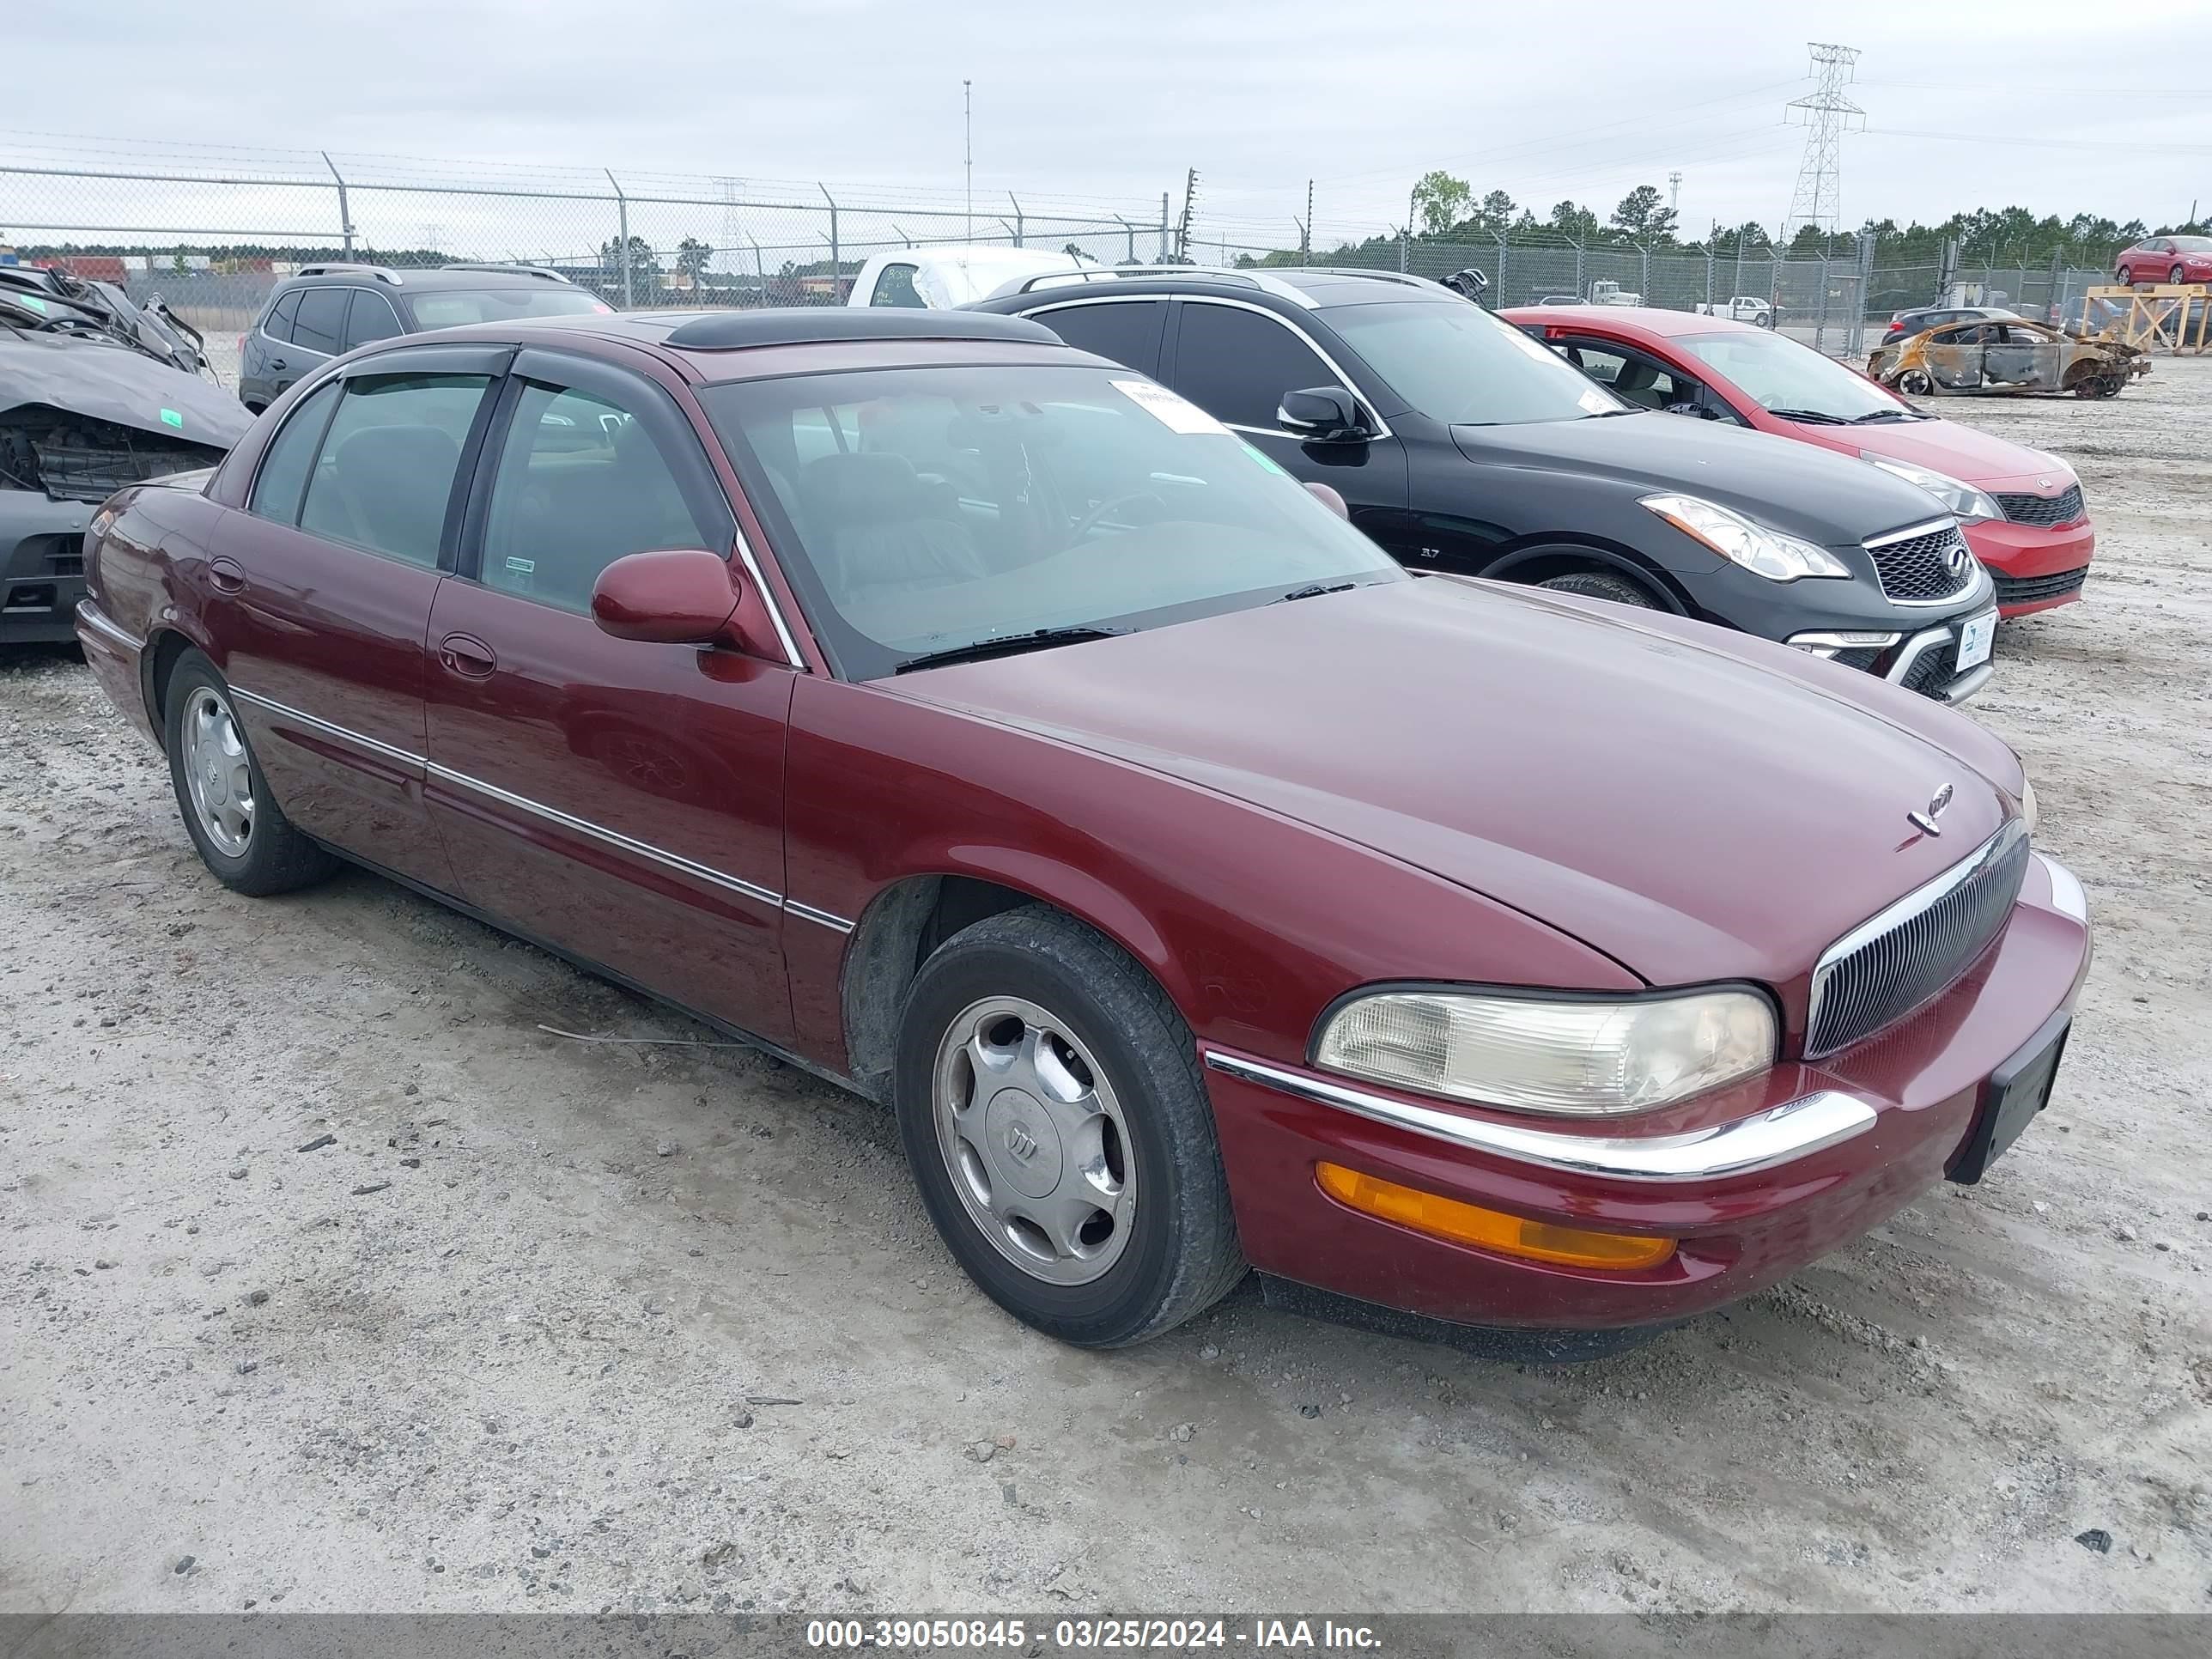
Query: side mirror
{"type": "Point", "coordinates": [1323, 414]}
{"type": "Point", "coordinates": [1329, 499]}
{"type": "Point", "coordinates": [679, 596]}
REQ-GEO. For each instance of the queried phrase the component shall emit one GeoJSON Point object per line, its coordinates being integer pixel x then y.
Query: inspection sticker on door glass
{"type": "Point", "coordinates": [1177, 414]}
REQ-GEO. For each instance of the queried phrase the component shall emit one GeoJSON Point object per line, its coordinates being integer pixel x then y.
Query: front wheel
{"type": "Point", "coordinates": [2175, 276]}
{"type": "Point", "coordinates": [241, 834]}
{"type": "Point", "coordinates": [1050, 1104]}
{"type": "Point", "coordinates": [1602, 584]}
{"type": "Point", "coordinates": [1915, 383]}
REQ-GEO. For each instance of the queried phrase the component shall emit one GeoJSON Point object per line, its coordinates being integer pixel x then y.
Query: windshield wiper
{"type": "Point", "coordinates": [1006, 644]}
{"type": "Point", "coordinates": [1811, 416]}
{"type": "Point", "coordinates": [1315, 592]}
{"type": "Point", "coordinates": [1888, 415]}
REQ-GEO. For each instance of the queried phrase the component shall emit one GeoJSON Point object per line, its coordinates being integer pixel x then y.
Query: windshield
{"type": "Point", "coordinates": [925, 510]}
{"type": "Point", "coordinates": [1454, 362]}
{"type": "Point", "coordinates": [454, 307]}
{"type": "Point", "coordinates": [1779, 373]}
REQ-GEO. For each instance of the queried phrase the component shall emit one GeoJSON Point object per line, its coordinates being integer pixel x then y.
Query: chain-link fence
{"type": "Point", "coordinates": [213, 231]}
{"type": "Point", "coordinates": [213, 240]}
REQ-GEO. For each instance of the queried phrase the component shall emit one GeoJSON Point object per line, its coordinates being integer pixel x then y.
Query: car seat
{"type": "Point", "coordinates": [879, 527]}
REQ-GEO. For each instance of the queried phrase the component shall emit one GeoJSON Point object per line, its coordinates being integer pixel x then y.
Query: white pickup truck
{"type": "Point", "coordinates": [938, 278]}
{"type": "Point", "coordinates": [1744, 308]}
{"type": "Point", "coordinates": [1611, 294]}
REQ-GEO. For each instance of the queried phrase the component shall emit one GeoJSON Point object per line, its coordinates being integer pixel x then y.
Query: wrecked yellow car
{"type": "Point", "coordinates": [2009, 358]}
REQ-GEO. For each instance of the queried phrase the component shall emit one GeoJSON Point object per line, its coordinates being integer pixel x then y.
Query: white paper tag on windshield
{"type": "Point", "coordinates": [1176, 414]}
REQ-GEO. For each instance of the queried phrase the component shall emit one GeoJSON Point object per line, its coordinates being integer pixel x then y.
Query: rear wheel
{"type": "Point", "coordinates": [1603, 584]}
{"type": "Point", "coordinates": [1915, 383]}
{"type": "Point", "coordinates": [240, 832]}
{"type": "Point", "coordinates": [1050, 1104]}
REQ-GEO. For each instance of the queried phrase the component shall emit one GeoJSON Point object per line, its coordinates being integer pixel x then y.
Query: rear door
{"type": "Point", "coordinates": [1236, 360]}
{"type": "Point", "coordinates": [318, 334]}
{"type": "Point", "coordinates": [620, 800]}
{"type": "Point", "coordinates": [323, 589]}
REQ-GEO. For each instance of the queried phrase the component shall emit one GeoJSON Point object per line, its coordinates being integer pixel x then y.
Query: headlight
{"type": "Point", "coordinates": [1566, 1057]}
{"type": "Point", "coordinates": [1768, 552]}
{"type": "Point", "coordinates": [2027, 806]}
{"type": "Point", "coordinates": [1962, 498]}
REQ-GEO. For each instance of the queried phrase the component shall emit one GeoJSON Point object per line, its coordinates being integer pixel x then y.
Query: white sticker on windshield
{"type": "Point", "coordinates": [1176, 414]}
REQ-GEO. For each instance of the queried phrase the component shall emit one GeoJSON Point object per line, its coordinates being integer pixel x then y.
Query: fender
{"type": "Point", "coordinates": [1629, 563]}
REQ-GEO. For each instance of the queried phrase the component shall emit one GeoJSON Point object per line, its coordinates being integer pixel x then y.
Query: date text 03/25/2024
{"type": "Point", "coordinates": [923, 1635]}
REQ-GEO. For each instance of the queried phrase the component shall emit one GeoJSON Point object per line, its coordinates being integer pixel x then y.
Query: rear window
{"type": "Point", "coordinates": [460, 307]}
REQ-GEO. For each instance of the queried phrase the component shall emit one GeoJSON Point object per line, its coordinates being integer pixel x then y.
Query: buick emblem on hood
{"type": "Point", "coordinates": [1925, 821]}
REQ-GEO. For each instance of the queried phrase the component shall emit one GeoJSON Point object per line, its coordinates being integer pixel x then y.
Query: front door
{"type": "Point", "coordinates": [619, 800]}
{"type": "Point", "coordinates": [323, 591]}
{"type": "Point", "coordinates": [1235, 361]}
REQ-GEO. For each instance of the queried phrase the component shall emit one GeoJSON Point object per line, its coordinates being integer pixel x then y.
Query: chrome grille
{"type": "Point", "coordinates": [1919, 569]}
{"type": "Point", "coordinates": [2043, 510]}
{"type": "Point", "coordinates": [1886, 967]}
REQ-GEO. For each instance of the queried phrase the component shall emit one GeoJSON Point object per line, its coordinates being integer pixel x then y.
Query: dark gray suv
{"type": "Point", "coordinates": [329, 309]}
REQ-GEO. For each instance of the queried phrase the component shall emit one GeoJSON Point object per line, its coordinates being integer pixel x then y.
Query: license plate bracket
{"type": "Point", "coordinates": [1976, 635]}
{"type": "Point", "coordinates": [2016, 1092]}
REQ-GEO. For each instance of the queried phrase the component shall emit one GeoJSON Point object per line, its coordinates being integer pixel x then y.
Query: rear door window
{"type": "Point", "coordinates": [1126, 330]}
{"type": "Point", "coordinates": [319, 325]}
{"type": "Point", "coordinates": [283, 475]}
{"type": "Point", "coordinates": [372, 317]}
{"type": "Point", "coordinates": [385, 474]}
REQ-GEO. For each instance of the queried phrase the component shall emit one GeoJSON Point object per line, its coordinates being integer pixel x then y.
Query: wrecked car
{"type": "Point", "coordinates": [79, 305]}
{"type": "Point", "coordinates": [2011, 356]}
{"type": "Point", "coordinates": [92, 396]}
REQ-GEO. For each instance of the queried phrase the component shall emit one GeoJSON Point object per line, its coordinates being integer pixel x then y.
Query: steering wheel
{"type": "Point", "coordinates": [1091, 519]}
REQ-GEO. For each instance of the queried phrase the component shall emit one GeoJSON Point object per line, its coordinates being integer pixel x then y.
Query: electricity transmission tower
{"type": "Point", "coordinates": [1826, 114]}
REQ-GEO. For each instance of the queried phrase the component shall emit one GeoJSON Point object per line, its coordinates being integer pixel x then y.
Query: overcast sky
{"type": "Point", "coordinates": [1966, 105]}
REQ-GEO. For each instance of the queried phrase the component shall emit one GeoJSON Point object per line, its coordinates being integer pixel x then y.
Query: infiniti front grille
{"type": "Point", "coordinates": [1923, 568]}
{"type": "Point", "coordinates": [1888, 966]}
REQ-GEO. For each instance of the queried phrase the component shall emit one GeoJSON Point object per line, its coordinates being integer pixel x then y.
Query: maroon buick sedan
{"type": "Point", "coordinates": [976, 723]}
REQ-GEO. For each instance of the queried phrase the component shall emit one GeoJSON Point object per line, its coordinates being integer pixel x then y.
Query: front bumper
{"type": "Point", "coordinates": [1925, 661]}
{"type": "Point", "coordinates": [1755, 1183]}
{"type": "Point", "coordinates": [2033, 569]}
{"type": "Point", "coordinates": [41, 566]}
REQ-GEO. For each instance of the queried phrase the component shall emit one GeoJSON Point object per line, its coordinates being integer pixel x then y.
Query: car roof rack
{"type": "Point", "coordinates": [510, 270]}
{"type": "Point", "coordinates": [731, 331]}
{"type": "Point", "coordinates": [1266, 282]}
{"type": "Point", "coordinates": [332, 267]}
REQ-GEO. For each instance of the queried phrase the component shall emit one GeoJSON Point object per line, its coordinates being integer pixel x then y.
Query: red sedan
{"type": "Point", "coordinates": [2174, 260]}
{"type": "Point", "coordinates": [2022, 509]}
{"type": "Point", "coordinates": [982, 726]}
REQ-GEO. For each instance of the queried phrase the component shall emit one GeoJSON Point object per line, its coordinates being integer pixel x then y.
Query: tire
{"type": "Point", "coordinates": [1087, 1088]}
{"type": "Point", "coordinates": [234, 822]}
{"type": "Point", "coordinates": [1765, 319]}
{"type": "Point", "coordinates": [2175, 276]}
{"type": "Point", "coordinates": [1916, 383]}
{"type": "Point", "coordinates": [1603, 584]}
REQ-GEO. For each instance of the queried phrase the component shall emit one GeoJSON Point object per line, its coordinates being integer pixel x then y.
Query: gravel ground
{"type": "Point", "coordinates": [333, 1281]}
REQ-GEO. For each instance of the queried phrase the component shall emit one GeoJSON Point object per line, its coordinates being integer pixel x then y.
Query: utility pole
{"type": "Point", "coordinates": [968, 147]}
{"type": "Point", "coordinates": [1826, 114]}
{"type": "Point", "coordinates": [1675, 193]}
{"type": "Point", "coordinates": [1190, 207]}
{"type": "Point", "coordinates": [1305, 230]}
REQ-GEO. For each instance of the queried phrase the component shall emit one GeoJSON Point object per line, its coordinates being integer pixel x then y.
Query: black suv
{"type": "Point", "coordinates": [1461, 444]}
{"type": "Point", "coordinates": [329, 309]}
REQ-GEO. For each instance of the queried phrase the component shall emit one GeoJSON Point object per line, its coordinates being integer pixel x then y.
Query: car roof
{"type": "Point", "coordinates": [1307, 287]}
{"type": "Point", "coordinates": [1655, 320]}
{"type": "Point", "coordinates": [425, 278]}
{"type": "Point", "coordinates": [709, 346]}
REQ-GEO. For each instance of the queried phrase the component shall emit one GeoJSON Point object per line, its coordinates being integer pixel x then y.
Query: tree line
{"type": "Point", "coordinates": [1446, 210]}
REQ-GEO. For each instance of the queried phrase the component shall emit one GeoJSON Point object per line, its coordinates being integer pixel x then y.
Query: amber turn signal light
{"type": "Point", "coordinates": [1489, 1230]}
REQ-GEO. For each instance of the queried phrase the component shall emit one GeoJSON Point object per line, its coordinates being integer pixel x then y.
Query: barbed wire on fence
{"type": "Point", "coordinates": [213, 228]}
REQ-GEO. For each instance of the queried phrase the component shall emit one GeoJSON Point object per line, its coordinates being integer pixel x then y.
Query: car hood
{"type": "Point", "coordinates": [1971, 457]}
{"type": "Point", "coordinates": [1788, 486]}
{"type": "Point", "coordinates": [1646, 784]}
{"type": "Point", "coordinates": [105, 381]}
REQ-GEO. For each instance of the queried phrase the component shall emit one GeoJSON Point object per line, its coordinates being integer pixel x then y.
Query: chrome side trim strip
{"type": "Point", "coordinates": [836, 924]}
{"type": "Point", "coordinates": [1795, 1129]}
{"type": "Point", "coordinates": [2066, 895]}
{"type": "Point", "coordinates": [375, 747]}
{"type": "Point", "coordinates": [1896, 915]}
{"type": "Point", "coordinates": [100, 623]}
{"type": "Point", "coordinates": [598, 832]}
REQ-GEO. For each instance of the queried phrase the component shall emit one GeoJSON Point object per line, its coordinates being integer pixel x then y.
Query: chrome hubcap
{"type": "Point", "coordinates": [1035, 1141]}
{"type": "Point", "coordinates": [217, 775]}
